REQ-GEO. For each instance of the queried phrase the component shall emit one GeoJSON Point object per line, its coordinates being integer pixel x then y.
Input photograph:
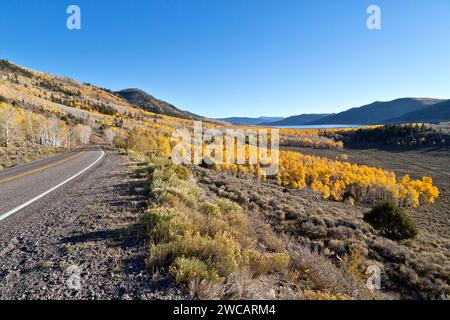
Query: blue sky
{"type": "Point", "coordinates": [239, 57]}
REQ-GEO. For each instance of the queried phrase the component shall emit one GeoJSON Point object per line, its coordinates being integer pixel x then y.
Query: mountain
{"type": "Point", "coordinates": [49, 96]}
{"type": "Point", "coordinates": [250, 121]}
{"type": "Point", "coordinates": [439, 112]}
{"type": "Point", "coordinates": [149, 103]}
{"type": "Point", "coordinates": [300, 119]}
{"type": "Point", "coordinates": [378, 112]}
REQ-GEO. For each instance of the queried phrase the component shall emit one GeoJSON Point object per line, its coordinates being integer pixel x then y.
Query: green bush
{"type": "Point", "coordinates": [210, 209]}
{"type": "Point", "coordinates": [167, 184]}
{"type": "Point", "coordinates": [165, 224]}
{"type": "Point", "coordinates": [391, 222]}
{"type": "Point", "coordinates": [188, 270]}
{"type": "Point", "coordinates": [221, 253]}
{"type": "Point", "coordinates": [227, 207]}
{"type": "Point", "coordinates": [265, 263]}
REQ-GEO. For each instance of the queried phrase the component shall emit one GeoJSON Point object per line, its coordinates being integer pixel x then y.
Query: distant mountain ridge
{"type": "Point", "coordinates": [439, 112]}
{"type": "Point", "coordinates": [378, 112]}
{"type": "Point", "coordinates": [402, 110]}
{"type": "Point", "coordinates": [251, 121]}
{"type": "Point", "coordinates": [299, 120]}
{"type": "Point", "coordinates": [149, 103]}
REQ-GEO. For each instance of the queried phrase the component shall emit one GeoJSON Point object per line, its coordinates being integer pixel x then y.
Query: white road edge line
{"type": "Point", "coordinates": [26, 204]}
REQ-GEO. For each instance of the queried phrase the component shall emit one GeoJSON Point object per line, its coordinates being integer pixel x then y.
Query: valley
{"type": "Point", "coordinates": [132, 224]}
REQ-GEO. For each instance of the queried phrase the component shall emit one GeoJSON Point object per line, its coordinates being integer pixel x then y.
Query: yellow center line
{"type": "Point", "coordinates": [40, 169]}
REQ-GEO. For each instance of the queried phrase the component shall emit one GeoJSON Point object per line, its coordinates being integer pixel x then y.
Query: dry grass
{"type": "Point", "coordinates": [216, 249]}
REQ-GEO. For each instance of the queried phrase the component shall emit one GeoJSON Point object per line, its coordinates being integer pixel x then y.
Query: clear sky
{"type": "Point", "coordinates": [222, 58]}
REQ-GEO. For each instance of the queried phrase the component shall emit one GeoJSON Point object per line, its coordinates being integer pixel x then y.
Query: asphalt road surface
{"type": "Point", "coordinates": [83, 216]}
{"type": "Point", "coordinates": [24, 185]}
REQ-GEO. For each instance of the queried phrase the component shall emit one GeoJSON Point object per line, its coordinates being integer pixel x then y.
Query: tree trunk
{"type": "Point", "coordinates": [7, 137]}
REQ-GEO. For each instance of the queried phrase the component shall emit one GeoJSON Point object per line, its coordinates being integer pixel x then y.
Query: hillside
{"type": "Point", "coordinates": [300, 119]}
{"type": "Point", "coordinates": [378, 112]}
{"type": "Point", "coordinates": [149, 103]}
{"type": "Point", "coordinates": [63, 97]}
{"type": "Point", "coordinates": [41, 114]}
{"type": "Point", "coordinates": [436, 113]}
{"type": "Point", "coordinates": [251, 121]}
{"type": "Point", "coordinates": [45, 93]}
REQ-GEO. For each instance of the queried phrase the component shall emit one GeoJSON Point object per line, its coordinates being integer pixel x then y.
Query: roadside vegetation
{"type": "Point", "coordinates": [215, 249]}
{"type": "Point", "coordinates": [201, 242]}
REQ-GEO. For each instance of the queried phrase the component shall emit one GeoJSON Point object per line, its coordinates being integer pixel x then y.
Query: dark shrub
{"type": "Point", "coordinates": [391, 222]}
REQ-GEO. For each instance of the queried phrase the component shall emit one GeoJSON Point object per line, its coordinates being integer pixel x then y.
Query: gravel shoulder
{"type": "Point", "coordinates": [82, 241]}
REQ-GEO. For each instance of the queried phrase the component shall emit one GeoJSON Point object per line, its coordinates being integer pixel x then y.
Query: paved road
{"type": "Point", "coordinates": [90, 224]}
{"type": "Point", "coordinates": [24, 185]}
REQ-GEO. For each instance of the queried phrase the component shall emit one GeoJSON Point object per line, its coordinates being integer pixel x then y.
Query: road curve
{"type": "Point", "coordinates": [23, 185]}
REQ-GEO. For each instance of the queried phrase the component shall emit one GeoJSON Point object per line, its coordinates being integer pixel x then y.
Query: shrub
{"type": "Point", "coordinates": [166, 184]}
{"type": "Point", "coordinates": [278, 261]}
{"type": "Point", "coordinates": [189, 270]}
{"type": "Point", "coordinates": [221, 253]}
{"type": "Point", "coordinates": [209, 209]}
{"type": "Point", "coordinates": [226, 206]}
{"type": "Point", "coordinates": [271, 242]}
{"type": "Point", "coordinates": [165, 224]}
{"type": "Point", "coordinates": [182, 172]}
{"type": "Point", "coordinates": [391, 222]}
{"type": "Point", "coordinates": [256, 262]}
{"type": "Point", "coordinates": [211, 218]}
{"type": "Point", "coordinates": [260, 264]}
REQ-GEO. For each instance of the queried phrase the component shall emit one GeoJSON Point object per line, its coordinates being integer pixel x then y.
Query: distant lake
{"type": "Point", "coordinates": [321, 126]}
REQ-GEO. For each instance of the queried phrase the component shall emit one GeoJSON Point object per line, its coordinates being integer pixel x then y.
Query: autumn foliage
{"type": "Point", "coordinates": [46, 103]}
{"type": "Point", "coordinates": [333, 179]}
{"type": "Point", "coordinates": [338, 180]}
{"type": "Point", "coordinates": [18, 125]}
